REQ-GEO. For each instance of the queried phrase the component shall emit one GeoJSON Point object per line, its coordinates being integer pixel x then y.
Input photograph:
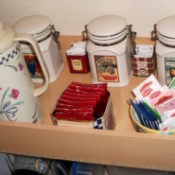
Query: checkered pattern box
{"type": "Point", "coordinates": [143, 66]}
{"type": "Point", "coordinates": [107, 121]}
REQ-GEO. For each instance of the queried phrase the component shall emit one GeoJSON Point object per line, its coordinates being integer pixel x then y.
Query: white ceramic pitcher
{"type": "Point", "coordinates": [18, 96]}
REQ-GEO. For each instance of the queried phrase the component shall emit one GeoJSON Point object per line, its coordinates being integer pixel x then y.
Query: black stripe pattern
{"type": "Point", "coordinates": [10, 56]}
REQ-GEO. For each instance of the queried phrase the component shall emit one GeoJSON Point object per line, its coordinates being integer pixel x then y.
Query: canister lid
{"type": "Point", "coordinates": [166, 27]}
{"type": "Point", "coordinates": [32, 24]}
{"type": "Point", "coordinates": [107, 25]}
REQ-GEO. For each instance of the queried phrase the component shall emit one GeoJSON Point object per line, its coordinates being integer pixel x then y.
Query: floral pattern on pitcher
{"type": "Point", "coordinates": [13, 62]}
{"type": "Point", "coordinates": [18, 67]}
{"type": "Point", "coordinates": [15, 66]}
{"type": "Point", "coordinates": [9, 104]}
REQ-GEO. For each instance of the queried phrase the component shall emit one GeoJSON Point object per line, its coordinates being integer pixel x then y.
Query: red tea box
{"type": "Point", "coordinates": [77, 58]}
{"type": "Point", "coordinates": [78, 63]}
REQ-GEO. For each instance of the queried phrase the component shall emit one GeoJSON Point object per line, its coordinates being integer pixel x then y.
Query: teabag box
{"type": "Point", "coordinates": [143, 61]}
{"type": "Point", "coordinates": [106, 121]}
{"type": "Point", "coordinates": [77, 58]}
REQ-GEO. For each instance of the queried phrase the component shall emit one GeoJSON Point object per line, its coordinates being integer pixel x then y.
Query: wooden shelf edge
{"type": "Point", "coordinates": [95, 146]}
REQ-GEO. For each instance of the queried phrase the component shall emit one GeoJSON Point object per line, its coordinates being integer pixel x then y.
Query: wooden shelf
{"type": "Point", "coordinates": [122, 146]}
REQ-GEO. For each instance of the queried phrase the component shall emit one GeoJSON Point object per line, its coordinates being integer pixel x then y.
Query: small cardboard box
{"type": "Point", "coordinates": [143, 61]}
{"type": "Point", "coordinates": [143, 66]}
{"type": "Point", "coordinates": [107, 121]}
{"type": "Point", "coordinates": [78, 63]}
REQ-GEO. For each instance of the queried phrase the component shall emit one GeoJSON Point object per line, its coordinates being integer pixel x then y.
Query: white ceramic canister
{"type": "Point", "coordinates": [18, 96]}
{"type": "Point", "coordinates": [39, 26]}
{"type": "Point", "coordinates": [109, 50]}
{"type": "Point", "coordinates": [165, 49]}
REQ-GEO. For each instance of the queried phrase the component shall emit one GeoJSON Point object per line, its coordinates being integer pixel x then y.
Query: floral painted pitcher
{"type": "Point", "coordinates": [18, 97]}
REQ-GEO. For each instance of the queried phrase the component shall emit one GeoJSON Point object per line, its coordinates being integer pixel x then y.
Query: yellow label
{"type": "Point", "coordinates": [77, 64]}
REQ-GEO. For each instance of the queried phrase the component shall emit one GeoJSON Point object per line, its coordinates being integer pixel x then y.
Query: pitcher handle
{"type": "Point", "coordinates": [28, 38]}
